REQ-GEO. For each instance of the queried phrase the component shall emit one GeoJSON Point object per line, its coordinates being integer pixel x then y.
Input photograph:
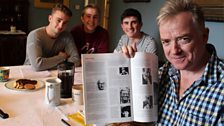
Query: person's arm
{"type": "Point", "coordinates": [37, 59]}
{"type": "Point", "coordinates": [103, 46]}
{"type": "Point", "coordinates": [71, 50]}
{"type": "Point", "coordinates": [220, 117]}
{"type": "Point", "coordinates": [129, 51]}
{"type": "Point", "coordinates": [118, 49]}
{"type": "Point", "coordinates": [123, 41]}
{"type": "Point", "coordinates": [151, 46]}
{"type": "Point", "coordinates": [123, 47]}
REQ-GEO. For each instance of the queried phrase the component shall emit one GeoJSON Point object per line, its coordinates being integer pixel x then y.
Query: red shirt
{"type": "Point", "coordinates": [96, 42]}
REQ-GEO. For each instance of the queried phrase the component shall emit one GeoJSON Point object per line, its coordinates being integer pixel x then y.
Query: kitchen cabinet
{"type": "Point", "coordinates": [14, 13]}
{"type": "Point", "coordinates": [12, 49]}
{"type": "Point", "coordinates": [13, 42]}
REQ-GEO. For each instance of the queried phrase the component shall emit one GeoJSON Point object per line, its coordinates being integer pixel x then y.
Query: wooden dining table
{"type": "Point", "coordinates": [27, 108]}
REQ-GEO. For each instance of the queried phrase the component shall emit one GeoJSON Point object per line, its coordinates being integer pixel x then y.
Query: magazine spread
{"type": "Point", "coordinates": [120, 89]}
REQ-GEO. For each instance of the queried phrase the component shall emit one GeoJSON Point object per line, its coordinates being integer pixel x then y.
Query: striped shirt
{"type": "Point", "coordinates": [202, 104]}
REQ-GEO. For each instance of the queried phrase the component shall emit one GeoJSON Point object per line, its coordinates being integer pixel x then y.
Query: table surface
{"type": "Point", "coordinates": [28, 108]}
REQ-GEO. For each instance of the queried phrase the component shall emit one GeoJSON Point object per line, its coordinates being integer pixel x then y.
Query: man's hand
{"type": "Point", "coordinates": [64, 54]}
{"type": "Point", "coordinates": [129, 51]}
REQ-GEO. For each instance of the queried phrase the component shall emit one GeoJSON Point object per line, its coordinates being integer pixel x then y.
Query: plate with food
{"type": "Point", "coordinates": [25, 85]}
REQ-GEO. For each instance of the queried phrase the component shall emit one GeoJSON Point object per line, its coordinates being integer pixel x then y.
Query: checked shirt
{"type": "Point", "coordinates": [202, 104]}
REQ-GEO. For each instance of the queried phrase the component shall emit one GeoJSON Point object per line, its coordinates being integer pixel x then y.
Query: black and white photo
{"type": "Point", "coordinates": [146, 76]}
{"type": "Point", "coordinates": [125, 95]}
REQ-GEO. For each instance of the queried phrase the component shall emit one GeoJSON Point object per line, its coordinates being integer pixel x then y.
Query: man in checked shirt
{"type": "Point", "coordinates": [192, 81]}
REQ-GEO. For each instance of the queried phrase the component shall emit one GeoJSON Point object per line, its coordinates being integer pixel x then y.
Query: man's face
{"type": "Point", "coordinates": [101, 85]}
{"type": "Point", "coordinates": [58, 21]}
{"type": "Point", "coordinates": [125, 95]}
{"type": "Point", "coordinates": [146, 73]}
{"type": "Point", "coordinates": [183, 42]}
{"type": "Point", "coordinates": [131, 26]}
{"type": "Point", "coordinates": [90, 19]}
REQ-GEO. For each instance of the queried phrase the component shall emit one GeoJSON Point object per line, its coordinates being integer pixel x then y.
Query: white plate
{"type": "Point", "coordinates": [39, 85]}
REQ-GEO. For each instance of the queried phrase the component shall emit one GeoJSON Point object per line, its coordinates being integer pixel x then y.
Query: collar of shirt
{"type": "Point", "coordinates": [198, 100]}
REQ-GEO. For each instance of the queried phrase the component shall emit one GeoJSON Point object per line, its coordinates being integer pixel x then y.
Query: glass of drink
{"type": "Point", "coordinates": [66, 72]}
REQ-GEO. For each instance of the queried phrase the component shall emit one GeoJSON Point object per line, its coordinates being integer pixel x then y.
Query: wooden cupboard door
{"type": "Point", "coordinates": [12, 50]}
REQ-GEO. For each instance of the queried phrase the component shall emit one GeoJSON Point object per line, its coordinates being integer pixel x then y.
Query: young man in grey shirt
{"type": "Point", "coordinates": [50, 45]}
{"type": "Point", "coordinates": [131, 23]}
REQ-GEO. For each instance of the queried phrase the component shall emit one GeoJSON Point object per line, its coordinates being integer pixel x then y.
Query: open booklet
{"type": "Point", "coordinates": [120, 89]}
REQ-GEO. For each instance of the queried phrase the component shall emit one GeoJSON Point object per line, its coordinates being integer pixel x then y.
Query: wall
{"type": "Point", "coordinates": [216, 36]}
{"type": "Point", "coordinates": [149, 11]}
{"type": "Point", "coordinates": [39, 16]}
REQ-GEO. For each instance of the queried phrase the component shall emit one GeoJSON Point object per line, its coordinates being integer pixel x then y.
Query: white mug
{"type": "Point", "coordinates": [52, 91]}
{"type": "Point", "coordinates": [77, 94]}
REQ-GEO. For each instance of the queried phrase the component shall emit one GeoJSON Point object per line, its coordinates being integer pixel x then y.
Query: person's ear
{"type": "Point", "coordinates": [49, 18]}
{"type": "Point", "coordinates": [82, 19]}
{"type": "Point", "coordinates": [121, 25]}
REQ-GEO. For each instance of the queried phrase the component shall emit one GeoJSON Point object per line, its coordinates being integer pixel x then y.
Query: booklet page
{"type": "Point", "coordinates": [144, 69]}
{"type": "Point", "coordinates": [108, 88]}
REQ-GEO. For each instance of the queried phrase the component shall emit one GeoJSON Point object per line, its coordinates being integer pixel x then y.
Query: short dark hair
{"type": "Point", "coordinates": [93, 6]}
{"type": "Point", "coordinates": [62, 8]}
{"type": "Point", "coordinates": [132, 12]}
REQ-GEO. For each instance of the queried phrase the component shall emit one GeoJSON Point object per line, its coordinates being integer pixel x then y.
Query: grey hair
{"type": "Point", "coordinates": [174, 7]}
